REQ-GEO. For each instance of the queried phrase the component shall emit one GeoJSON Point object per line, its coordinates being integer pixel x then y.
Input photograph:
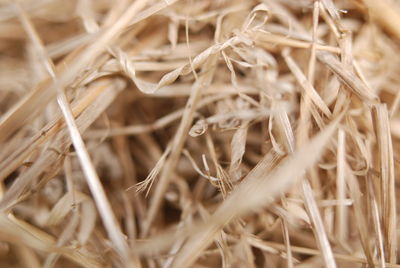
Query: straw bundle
{"type": "Point", "coordinates": [199, 133]}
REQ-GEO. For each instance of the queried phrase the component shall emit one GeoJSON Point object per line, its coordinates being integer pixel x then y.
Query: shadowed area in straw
{"type": "Point", "coordinates": [199, 133]}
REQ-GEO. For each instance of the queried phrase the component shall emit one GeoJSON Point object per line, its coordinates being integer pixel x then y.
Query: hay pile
{"type": "Point", "coordinates": [199, 133]}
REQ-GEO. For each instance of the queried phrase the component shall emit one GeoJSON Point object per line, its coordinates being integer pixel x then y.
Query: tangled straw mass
{"type": "Point", "coordinates": [199, 133]}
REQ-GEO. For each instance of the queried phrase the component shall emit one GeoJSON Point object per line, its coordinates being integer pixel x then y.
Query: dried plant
{"type": "Point", "coordinates": [199, 133]}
